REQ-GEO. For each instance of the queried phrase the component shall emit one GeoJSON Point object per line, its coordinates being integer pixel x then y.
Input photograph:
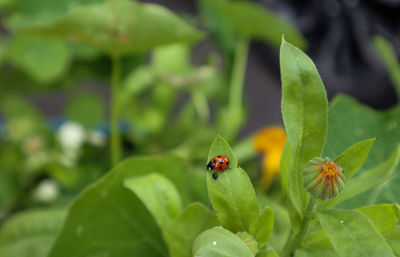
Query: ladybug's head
{"type": "Point", "coordinates": [210, 166]}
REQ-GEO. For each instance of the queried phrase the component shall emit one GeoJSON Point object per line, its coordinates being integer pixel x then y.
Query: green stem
{"type": "Point", "coordinates": [238, 73]}
{"type": "Point", "coordinates": [200, 103]}
{"type": "Point", "coordinates": [299, 237]}
{"type": "Point", "coordinates": [114, 119]}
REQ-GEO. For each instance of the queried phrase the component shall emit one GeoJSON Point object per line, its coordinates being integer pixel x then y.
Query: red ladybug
{"type": "Point", "coordinates": [218, 163]}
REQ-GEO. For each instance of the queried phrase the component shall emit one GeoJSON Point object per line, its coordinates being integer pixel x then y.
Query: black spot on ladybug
{"type": "Point", "coordinates": [221, 161]}
{"type": "Point", "coordinates": [215, 175]}
{"type": "Point", "coordinates": [219, 156]}
{"type": "Point", "coordinates": [214, 161]}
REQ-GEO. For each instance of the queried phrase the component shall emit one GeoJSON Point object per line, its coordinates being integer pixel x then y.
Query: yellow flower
{"type": "Point", "coordinates": [270, 142]}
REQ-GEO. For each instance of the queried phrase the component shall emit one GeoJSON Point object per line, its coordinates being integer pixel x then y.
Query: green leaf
{"type": "Point", "coordinates": [326, 251]}
{"type": "Point", "coordinates": [383, 216]}
{"type": "Point", "coordinates": [351, 234]}
{"type": "Point", "coordinates": [305, 115]}
{"type": "Point", "coordinates": [159, 196]}
{"type": "Point", "coordinates": [219, 242]}
{"type": "Point", "coordinates": [262, 227]}
{"type": "Point", "coordinates": [354, 157]}
{"type": "Point", "coordinates": [388, 56]}
{"type": "Point", "coordinates": [393, 239]}
{"type": "Point", "coordinates": [233, 198]}
{"type": "Point", "coordinates": [119, 27]}
{"type": "Point", "coordinates": [267, 254]}
{"type": "Point", "coordinates": [351, 122]}
{"type": "Point", "coordinates": [109, 219]}
{"type": "Point", "coordinates": [366, 181]}
{"type": "Point", "coordinates": [86, 109]}
{"type": "Point", "coordinates": [220, 147]}
{"type": "Point", "coordinates": [42, 11]}
{"type": "Point", "coordinates": [194, 220]}
{"type": "Point", "coordinates": [254, 21]}
{"type": "Point", "coordinates": [43, 59]}
{"type": "Point", "coordinates": [30, 233]}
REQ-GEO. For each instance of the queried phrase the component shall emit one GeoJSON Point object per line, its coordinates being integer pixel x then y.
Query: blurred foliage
{"type": "Point", "coordinates": [171, 101]}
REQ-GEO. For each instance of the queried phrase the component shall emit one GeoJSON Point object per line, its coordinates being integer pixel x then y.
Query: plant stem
{"type": "Point", "coordinates": [233, 114]}
{"type": "Point", "coordinates": [299, 237]}
{"type": "Point", "coordinates": [114, 115]}
{"type": "Point", "coordinates": [238, 73]}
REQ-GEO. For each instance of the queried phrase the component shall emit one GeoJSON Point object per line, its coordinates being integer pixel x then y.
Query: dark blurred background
{"type": "Point", "coordinates": [339, 33]}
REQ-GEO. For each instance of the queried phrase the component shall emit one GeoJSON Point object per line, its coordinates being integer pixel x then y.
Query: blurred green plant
{"type": "Point", "coordinates": [163, 205]}
{"type": "Point", "coordinates": [142, 208]}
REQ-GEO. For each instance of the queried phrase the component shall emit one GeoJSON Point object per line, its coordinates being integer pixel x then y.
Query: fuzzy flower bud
{"type": "Point", "coordinates": [323, 178]}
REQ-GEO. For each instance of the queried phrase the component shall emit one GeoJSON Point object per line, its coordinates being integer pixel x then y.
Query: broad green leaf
{"type": "Point", "coordinates": [393, 239]}
{"type": "Point", "coordinates": [351, 122]}
{"type": "Point", "coordinates": [254, 21]}
{"type": "Point", "coordinates": [172, 58]}
{"type": "Point", "coordinates": [305, 115]}
{"type": "Point", "coordinates": [30, 233]}
{"type": "Point", "coordinates": [219, 242]}
{"type": "Point", "coordinates": [108, 219]}
{"type": "Point", "coordinates": [119, 27]}
{"type": "Point", "coordinates": [43, 59]}
{"type": "Point", "coordinates": [383, 216]}
{"type": "Point", "coordinates": [42, 11]}
{"type": "Point", "coordinates": [368, 180]}
{"type": "Point", "coordinates": [388, 56]}
{"type": "Point", "coordinates": [267, 254]}
{"type": "Point", "coordinates": [233, 198]}
{"type": "Point", "coordinates": [351, 234]}
{"type": "Point", "coordinates": [159, 196]}
{"type": "Point", "coordinates": [354, 157]}
{"type": "Point", "coordinates": [194, 220]}
{"type": "Point", "coordinates": [325, 251]}
{"type": "Point", "coordinates": [86, 109]}
{"type": "Point", "coordinates": [220, 147]}
{"type": "Point", "coordinates": [262, 227]}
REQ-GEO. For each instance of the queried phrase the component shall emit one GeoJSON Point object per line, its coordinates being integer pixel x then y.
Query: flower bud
{"type": "Point", "coordinates": [323, 178]}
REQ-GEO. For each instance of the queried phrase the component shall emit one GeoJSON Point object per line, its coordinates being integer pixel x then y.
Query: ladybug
{"type": "Point", "coordinates": [218, 163]}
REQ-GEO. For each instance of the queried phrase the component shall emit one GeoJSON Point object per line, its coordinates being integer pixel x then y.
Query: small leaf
{"type": "Point", "coordinates": [369, 179]}
{"type": "Point", "coordinates": [249, 240]}
{"type": "Point", "coordinates": [305, 115]}
{"type": "Point", "coordinates": [219, 242]}
{"type": "Point", "coordinates": [388, 56]}
{"type": "Point", "coordinates": [262, 227]}
{"type": "Point", "coordinates": [354, 157]}
{"type": "Point", "coordinates": [119, 27]}
{"type": "Point", "coordinates": [383, 216]}
{"type": "Point", "coordinates": [86, 109]}
{"type": "Point", "coordinates": [255, 21]}
{"type": "Point", "coordinates": [233, 198]}
{"type": "Point", "coordinates": [194, 220]}
{"type": "Point", "coordinates": [30, 233]}
{"type": "Point", "coordinates": [351, 234]}
{"type": "Point", "coordinates": [159, 196]}
{"type": "Point", "coordinates": [220, 147]}
{"type": "Point", "coordinates": [112, 218]}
